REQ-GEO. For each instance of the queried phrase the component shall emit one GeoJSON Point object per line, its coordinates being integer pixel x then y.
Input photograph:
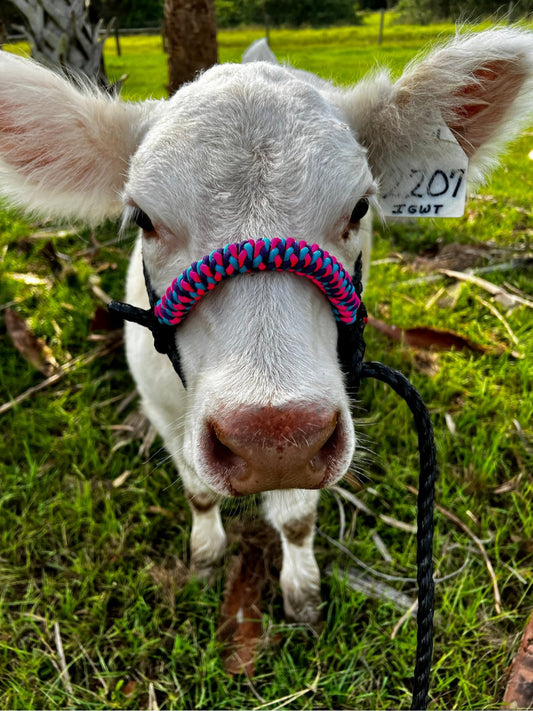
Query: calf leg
{"type": "Point", "coordinates": [292, 512]}
{"type": "Point", "coordinates": [208, 538]}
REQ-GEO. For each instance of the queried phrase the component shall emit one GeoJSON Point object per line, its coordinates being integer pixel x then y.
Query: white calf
{"type": "Point", "coordinates": [254, 151]}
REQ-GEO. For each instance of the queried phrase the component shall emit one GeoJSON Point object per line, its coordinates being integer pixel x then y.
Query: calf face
{"type": "Point", "coordinates": [246, 152]}
{"type": "Point", "coordinates": [266, 406]}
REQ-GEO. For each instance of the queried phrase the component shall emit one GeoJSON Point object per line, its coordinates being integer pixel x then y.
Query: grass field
{"type": "Point", "coordinates": [101, 561]}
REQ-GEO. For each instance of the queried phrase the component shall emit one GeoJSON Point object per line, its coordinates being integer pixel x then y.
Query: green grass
{"type": "Point", "coordinates": [76, 551]}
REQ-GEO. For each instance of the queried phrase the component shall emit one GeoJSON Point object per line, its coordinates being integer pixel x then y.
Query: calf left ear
{"type": "Point", "coordinates": [64, 148]}
{"type": "Point", "coordinates": [480, 85]}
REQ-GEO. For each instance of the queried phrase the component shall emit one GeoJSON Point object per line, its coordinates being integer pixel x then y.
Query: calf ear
{"type": "Point", "coordinates": [481, 85]}
{"type": "Point", "coordinates": [64, 149]}
{"type": "Point", "coordinates": [259, 51]}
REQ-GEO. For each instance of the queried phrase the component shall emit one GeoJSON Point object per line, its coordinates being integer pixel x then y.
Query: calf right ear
{"type": "Point", "coordinates": [480, 85]}
{"type": "Point", "coordinates": [64, 149]}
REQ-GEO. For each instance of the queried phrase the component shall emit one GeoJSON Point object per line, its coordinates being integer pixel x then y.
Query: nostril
{"type": "Point", "coordinates": [329, 451]}
{"type": "Point", "coordinates": [218, 451]}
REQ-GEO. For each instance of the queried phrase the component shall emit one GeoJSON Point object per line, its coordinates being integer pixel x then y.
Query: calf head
{"type": "Point", "coordinates": [246, 152]}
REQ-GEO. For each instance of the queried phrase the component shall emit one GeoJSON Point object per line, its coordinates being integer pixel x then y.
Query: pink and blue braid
{"type": "Point", "coordinates": [280, 255]}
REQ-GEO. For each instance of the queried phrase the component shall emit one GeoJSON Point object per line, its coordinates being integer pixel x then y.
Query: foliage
{"type": "Point", "coordinates": [9, 15]}
{"type": "Point", "coordinates": [128, 13]}
{"type": "Point", "coordinates": [103, 561]}
{"type": "Point", "coordinates": [293, 13]}
{"type": "Point", "coordinates": [423, 12]}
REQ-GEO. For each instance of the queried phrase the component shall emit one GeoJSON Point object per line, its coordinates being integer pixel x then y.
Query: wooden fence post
{"type": "Point", "coordinates": [381, 23]}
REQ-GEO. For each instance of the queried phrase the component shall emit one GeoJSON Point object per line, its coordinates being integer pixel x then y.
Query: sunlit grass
{"type": "Point", "coordinates": [77, 551]}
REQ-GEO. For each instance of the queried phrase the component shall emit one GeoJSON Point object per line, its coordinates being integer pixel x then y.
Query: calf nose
{"type": "Point", "coordinates": [262, 448]}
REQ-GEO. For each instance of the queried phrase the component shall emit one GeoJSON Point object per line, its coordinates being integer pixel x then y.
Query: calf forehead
{"type": "Point", "coordinates": [245, 139]}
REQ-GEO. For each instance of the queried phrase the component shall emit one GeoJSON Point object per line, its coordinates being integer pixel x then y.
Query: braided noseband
{"type": "Point", "coordinates": [276, 255]}
{"type": "Point", "coordinates": [344, 294]}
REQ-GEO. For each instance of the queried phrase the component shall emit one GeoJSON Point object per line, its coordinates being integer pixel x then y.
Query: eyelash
{"type": "Point", "coordinates": [142, 220]}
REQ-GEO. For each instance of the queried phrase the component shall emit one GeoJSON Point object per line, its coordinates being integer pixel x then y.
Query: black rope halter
{"type": "Point", "coordinates": [351, 350]}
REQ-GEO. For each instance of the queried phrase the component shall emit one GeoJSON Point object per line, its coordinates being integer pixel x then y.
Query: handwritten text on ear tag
{"type": "Point", "coordinates": [431, 183]}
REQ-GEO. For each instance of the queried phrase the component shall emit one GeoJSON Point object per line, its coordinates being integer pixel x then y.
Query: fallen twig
{"type": "Point", "coordinates": [373, 588]}
{"type": "Point", "coordinates": [501, 267]}
{"type": "Point", "coordinates": [93, 666]}
{"type": "Point", "coordinates": [361, 506]}
{"type": "Point", "coordinates": [382, 548]}
{"type": "Point", "coordinates": [353, 499]}
{"type": "Point", "coordinates": [400, 525]}
{"type": "Point", "coordinates": [68, 367]}
{"type": "Point", "coordinates": [64, 676]}
{"type": "Point", "coordinates": [493, 289]}
{"type": "Point", "coordinates": [342, 515]}
{"type": "Point", "coordinates": [152, 699]}
{"type": "Point", "coordinates": [361, 564]}
{"type": "Point", "coordinates": [494, 311]}
{"type": "Point", "coordinates": [284, 701]}
{"type": "Point", "coordinates": [411, 612]}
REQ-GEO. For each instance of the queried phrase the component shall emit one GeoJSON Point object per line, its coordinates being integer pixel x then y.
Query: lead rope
{"type": "Point", "coordinates": [350, 313]}
{"type": "Point", "coordinates": [425, 524]}
{"type": "Point", "coordinates": [351, 350]}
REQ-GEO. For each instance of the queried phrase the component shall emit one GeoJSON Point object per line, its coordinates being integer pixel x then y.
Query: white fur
{"type": "Point", "coordinates": [248, 151]}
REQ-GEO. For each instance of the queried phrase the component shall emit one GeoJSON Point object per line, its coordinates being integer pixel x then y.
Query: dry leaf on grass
{"type": "Point", "coordinates": [452, 256]}
{"type": "Point", "coordinates": [428, 338]}
{"type": "Point", "coordinates": [240, 614]}
{"type": "Point", "coordinates": [171, 576]}
{"type": "Point", "coordinates": [29, 279]}
{"type": "Point", "coordinates": [519, 690]}
{"type": "Point", "coordinates": [129, 688]}
{"type": "Point", "coordinates": [32, 348]}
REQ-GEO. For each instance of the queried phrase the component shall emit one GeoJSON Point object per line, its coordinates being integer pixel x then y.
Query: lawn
{"type": "Point", "coordinates": [94, 528]}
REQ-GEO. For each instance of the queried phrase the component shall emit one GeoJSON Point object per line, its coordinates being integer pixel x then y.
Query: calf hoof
{"type": "Point", "coordinates": [206, 572]}
{"type": "Point", "coordinates": [206, 559]}
{"type": "Point", "coordinates": [302, 606]}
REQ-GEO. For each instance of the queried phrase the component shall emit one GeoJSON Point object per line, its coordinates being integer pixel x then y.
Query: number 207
{"type": "Point", "coordinates": [438, 184]}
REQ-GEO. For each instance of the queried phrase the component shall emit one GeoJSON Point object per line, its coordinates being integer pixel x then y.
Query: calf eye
{"type": "Point", "coordinates": [359, 211]}
{"type": "Point", "coordinates": [142, 220]}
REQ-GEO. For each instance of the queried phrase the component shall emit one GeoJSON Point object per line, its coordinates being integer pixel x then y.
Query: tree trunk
{"type": "Point", "coordinates": [191, 39]}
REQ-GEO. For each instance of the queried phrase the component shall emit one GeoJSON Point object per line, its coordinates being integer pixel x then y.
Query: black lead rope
{"type": "Point", "coordinates": [425, 524]}
{"type": "Point", "coordinates": [351, 350]}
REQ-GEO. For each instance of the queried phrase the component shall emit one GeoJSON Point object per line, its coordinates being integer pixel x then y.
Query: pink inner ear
{"type": "Point", "coordinates": [487, 99]}
{"type": "Point", "coordinates": [29, 146]}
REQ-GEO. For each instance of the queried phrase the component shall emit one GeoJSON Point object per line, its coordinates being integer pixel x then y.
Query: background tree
{"type": "Point", "coordinates": [9, 15]}
{"type": "Point", "coordinates": [190, 39]}
{"type": "Point", "coordinates": [128, 13]}
{"type": "Point", "coordinates": [61, 33]}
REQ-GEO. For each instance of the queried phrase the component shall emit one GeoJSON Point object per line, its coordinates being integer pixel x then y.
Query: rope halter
{"type": "Point", "coordinates": [276, 255]}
